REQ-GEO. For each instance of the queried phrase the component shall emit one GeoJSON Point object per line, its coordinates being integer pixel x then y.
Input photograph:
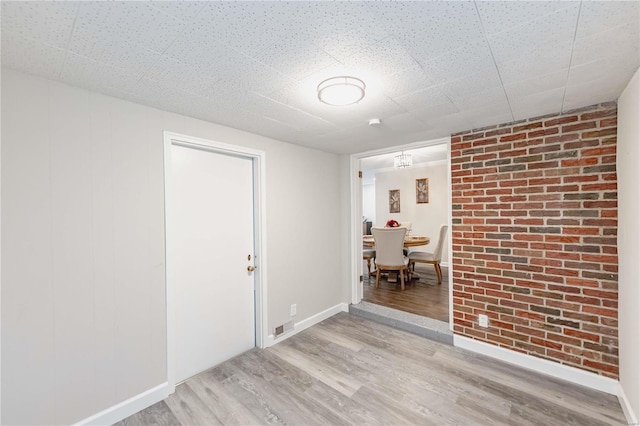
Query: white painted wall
{"type": "Point", "coordinates": [83, 291]}
{"type": "Point", "coordinates": [629, 241]}
{"type": "Point", "coordinates": [369, 201]}
{"type": "Point", "coordinates": [425, 219]}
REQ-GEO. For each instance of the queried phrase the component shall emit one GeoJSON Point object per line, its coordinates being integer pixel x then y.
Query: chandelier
{"type": "Point", "coordinates": [402, 160]}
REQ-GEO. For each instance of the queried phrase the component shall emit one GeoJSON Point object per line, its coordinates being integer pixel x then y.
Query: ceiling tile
{"type": "Point", "coordinates": [95, 75]}
{"type": "Point", "coordinates": [294, 118]}
{"type": "Point", "coordinates": [544, 60]}
{"type": "Point", "coordinates": [430, 28]}
{"type": "Point", "coordinates": [499, 16]}
{"type": "Point", "coordinates": [489, 114]}
{"type": "Point", "coordinates": [457, 63]}
{"type": "Point", "coordinates": [557, 28]}
{"type": "Point", "coordinates": [137, 22]}
{"type": "Point", "coordinates": [492, 96]}
{"type": "Point", "coordinates": [621, 40]}
{"type": "Point", "coordinates": [537, 104]}
{"type": "Point", "coordinates": [608, 72]}
{"type": "Point", "coordinates": [405, 82]}
{"type": "Point", "coordinates": [261, 78]}
{"type": "Point", "coordinates": [31, 56]}
{"type": "Point", "coordinates": [202, 51]}
{"type": "Point", "coordinates": [432, 113]}
{"type": "Point", "coordinates": [387, 57]}
{"type": "Point", "coordinates": [598, 16]}
{"type": "Point", "coordinates": [580, 95]}
{"type": "Point", "coordinates": [118, 53]}
{"type": "Point", "coordinates": [341, 29]}
{"type": "Point", "coordinates": [169, 98]}
{"type": "Point", "coordinates": [537, 84]}
{"type": "Point", "coordinates": [432, 96]}
{"type": "Point", "coordinates": [248, 27]}
{"type": "Point", "coordinates": [182, 76]}
{"type": "Point", "coordinates": [48, 22]}
{"type": "Point", "coordinates": [296, 59]}
{"type": "Point", "coordinates": [471, 84]}
{"type": "Point", "coordinates": [183, 10]}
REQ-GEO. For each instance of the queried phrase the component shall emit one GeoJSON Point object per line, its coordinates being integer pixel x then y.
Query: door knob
{"type": "Point", "coordinates": [251, 268]}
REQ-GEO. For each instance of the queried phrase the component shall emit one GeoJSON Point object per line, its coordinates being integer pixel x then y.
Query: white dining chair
{"type": "Point", "coordinates": [389, 257]}
{"type": "Point", "coordinates": [433, 258]}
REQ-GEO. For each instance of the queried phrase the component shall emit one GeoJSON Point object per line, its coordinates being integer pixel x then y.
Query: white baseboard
{"type": "Point", "coordinates": [560, 371]}
{"type": "Point", "coordinates": [632, 419]}
{"type": "Point", "coordinates": [306, 323]}
{"type": "Point", "coordinates": [131, 406]}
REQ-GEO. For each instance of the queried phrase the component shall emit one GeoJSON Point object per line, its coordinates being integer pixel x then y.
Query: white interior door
{"type": "Point", "coordinates": [212, 228]}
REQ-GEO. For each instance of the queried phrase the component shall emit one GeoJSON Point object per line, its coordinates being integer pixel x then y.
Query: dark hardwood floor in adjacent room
{"type": "Point", "coordinates": [422, 297]}
{"type": "Point", "coordinates": [351, 371]}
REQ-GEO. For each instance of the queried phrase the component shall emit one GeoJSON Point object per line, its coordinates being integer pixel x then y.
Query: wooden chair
{"type": "Point", "coordinates": [389, 257]}
{"type": "Point", "coordinates": [433, 258]}
{"type": "Point", "coordinates": [368, 254]}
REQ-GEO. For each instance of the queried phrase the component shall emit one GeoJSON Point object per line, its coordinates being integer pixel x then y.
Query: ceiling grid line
{"type": "Point", "coordinates": [573, 44]}
{"type": "Point", "coordinates": [493, 58]}
{"type": "Point", "coordinates": [66, 49]}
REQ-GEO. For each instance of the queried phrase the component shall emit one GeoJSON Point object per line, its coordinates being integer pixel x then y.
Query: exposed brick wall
{"type": "Point", "coordinates": [534, 236]}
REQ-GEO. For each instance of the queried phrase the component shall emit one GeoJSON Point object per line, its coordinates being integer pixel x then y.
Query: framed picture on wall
{"type": "Point", "coordinates": [394, 201]}
{"type": "Point", "coordinates": [422, 191]}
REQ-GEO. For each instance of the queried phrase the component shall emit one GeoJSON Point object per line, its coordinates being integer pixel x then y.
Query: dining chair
{"type": "Point", "coordinates": [389, 257]}
{"type": "Point", "coordinates": [368, 254]}
{"type": "Point", "coordinates": [433, 258]}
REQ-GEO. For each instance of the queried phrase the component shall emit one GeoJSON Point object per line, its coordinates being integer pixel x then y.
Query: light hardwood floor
{"type": "Point", "coordinates": [349, 370]}
{"type": "Point", "coordinates": [422, 297]}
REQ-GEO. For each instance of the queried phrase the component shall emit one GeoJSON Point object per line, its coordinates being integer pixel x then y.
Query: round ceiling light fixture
{"type": "Point", "coordinates": [341, 91]}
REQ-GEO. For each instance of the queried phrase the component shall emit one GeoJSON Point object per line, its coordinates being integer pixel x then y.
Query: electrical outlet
{"type": "Point", "coordinates": [483, 320]}
{"type": "Point", "coordinates": [294, 310]}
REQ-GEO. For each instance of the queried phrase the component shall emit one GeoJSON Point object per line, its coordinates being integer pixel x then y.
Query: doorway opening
{"type": "Point", "coordinates": [424, 207]}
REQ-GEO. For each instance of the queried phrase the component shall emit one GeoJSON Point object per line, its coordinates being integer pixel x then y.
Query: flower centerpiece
{"type": "Point", "coordinates": [392, 224]}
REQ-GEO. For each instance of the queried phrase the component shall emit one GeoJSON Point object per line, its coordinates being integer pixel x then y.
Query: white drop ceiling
{"type": "Point", "coordinates": [431, 68]}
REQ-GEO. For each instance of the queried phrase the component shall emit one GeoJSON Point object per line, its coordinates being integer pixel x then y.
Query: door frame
{"type": "Point", "coordinates": [356, 215]}
{"type": "Point", "coordinates": [260, 241]}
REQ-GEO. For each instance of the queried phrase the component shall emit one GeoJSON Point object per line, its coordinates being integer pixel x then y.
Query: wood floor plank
{"type": "Point", "coordinates": [581, 399]}
{"type": "Point", "coordinates": [158, 414]}
{"type": "Point", "coordinates": [326, 374]}
{"type": "Point", "coordinates": [348, 370]}
{"type": "Point", "coordinates": [422, 297]}
{"type": "Point", "coordinates": [189, 408]}
{"type": "Point", "coordinates": [223, 404]}
{"type": "Point", "coordinates": [287, 398]}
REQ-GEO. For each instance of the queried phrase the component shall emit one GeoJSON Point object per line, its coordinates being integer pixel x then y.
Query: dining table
{"type": "Point", "coordinates": [409, 241]}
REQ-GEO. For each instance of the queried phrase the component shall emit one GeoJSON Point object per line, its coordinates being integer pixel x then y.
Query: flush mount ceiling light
{"type": "Point", "coordinates": [403, 160]}
{"type": "Point", "coordinates": [341, 91]}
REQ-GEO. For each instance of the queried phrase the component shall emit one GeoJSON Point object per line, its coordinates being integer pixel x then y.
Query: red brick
{"type": "Point", "coordinates": [513, 137]}
{"type": "Point", "coordinates": [561, 120]}
{"type": "Point", "coordinates": [609, 122]}
{"type": "Point", "coordinates": [579, 162]}
{"type": "Point", "coordinates": [608, 150]}
{"type": "Point", "coordinates": [598, 366]}
{"type": "Point", "coordinates": [579, 126]}
{"type": "Point", "coordinates": [546, 343]}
